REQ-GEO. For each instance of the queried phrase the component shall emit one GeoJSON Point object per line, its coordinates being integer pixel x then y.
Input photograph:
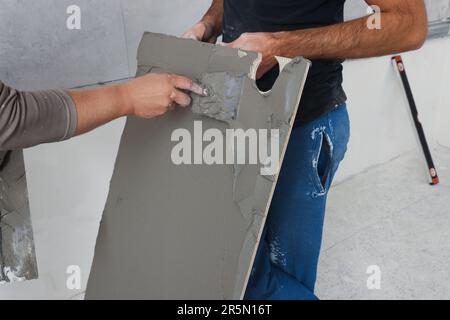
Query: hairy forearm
{"type": "Point", "coordinates": [349, 40]}
{"type": "Point", "coordinates": [399, 32]}
{"type": "Point", "coordinates": [214, 17]}
{"type": "Point", "coordinates": [98, 106]}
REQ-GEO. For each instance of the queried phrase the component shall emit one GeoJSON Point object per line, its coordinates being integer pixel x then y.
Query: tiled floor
{"type": "Point", "coordinates": [389, 217]}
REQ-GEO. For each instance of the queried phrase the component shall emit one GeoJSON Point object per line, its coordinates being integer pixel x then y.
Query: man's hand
{"type": "Point", "coordinates": [262, 42]}
{"type": "Point", "coordinates": [210, 27]}
{"type": "Point", "coordinates": [202, 31]}
{"type": "Point", "coordinates": [147, 97]}
{"type": "Point", "coordinates": [155, 94]}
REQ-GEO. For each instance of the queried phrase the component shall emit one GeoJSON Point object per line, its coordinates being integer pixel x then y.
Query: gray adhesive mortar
{"type": "Point", "coordinates": [191, 231]}
{"type": "Point", "coordinates": [17, 253]}
{"type": "Point", "coordinates": [225, 91]}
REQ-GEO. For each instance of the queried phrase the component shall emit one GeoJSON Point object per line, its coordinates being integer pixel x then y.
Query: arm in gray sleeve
{"type": "Point", "coordinates": [31, 118]}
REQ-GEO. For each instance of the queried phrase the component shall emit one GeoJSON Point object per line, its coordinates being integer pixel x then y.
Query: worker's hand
{"type": "Point", "coordinates": [154, 94]}
{"type": "Point", "coordinates": [262, 42]}
{"type": "Point", "coordinates": [202, 31]}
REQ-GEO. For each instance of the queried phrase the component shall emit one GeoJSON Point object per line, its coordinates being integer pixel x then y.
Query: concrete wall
{"type": "Point", "coordinates": [68, 182]}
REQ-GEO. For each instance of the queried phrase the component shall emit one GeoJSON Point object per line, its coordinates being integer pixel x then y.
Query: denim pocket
{"type": "Point", "coordinates": [321, 164]}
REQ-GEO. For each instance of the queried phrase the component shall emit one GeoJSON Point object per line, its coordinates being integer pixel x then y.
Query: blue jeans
{"type": "Point", "coordinates": [286, 263]}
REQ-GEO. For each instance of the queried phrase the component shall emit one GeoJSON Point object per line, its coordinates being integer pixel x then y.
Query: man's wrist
{"type": "Point", "coordinates": [277, 42]}
{"type": "Point", "coordinates": [125, 107]}
{"type": "Point", "coordinates": [212, 26]}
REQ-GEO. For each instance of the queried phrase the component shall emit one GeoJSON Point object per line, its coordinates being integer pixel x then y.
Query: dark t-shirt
{"type": "Point", "coordinates": [323, 89]}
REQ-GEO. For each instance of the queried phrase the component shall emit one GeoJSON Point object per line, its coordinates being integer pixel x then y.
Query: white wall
{"type": "Point", "coordinates": [68, 182]}
{"type": "Point", "coordinates": [380, 116]}
{"type": "Point", "coordinates": [441, 120]}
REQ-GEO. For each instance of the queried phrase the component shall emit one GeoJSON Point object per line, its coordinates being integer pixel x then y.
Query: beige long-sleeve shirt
{"type": "Point", "coordinates": [31, 118]}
